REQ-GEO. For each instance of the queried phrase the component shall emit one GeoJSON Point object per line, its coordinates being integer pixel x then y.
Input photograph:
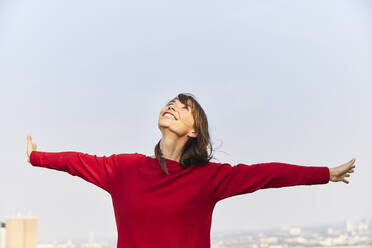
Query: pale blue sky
{"type": "Point", "coordinates": [285, 81]}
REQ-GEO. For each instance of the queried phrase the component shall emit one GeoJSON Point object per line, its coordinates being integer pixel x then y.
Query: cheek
{"type": "Point", "coordinates": [161, 112]}
{"type": "Point", "coordinates": [189, 122]}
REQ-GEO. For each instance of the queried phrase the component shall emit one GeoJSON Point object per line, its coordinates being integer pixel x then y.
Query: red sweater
{"type": "Point", "coordinates": [156, 210]}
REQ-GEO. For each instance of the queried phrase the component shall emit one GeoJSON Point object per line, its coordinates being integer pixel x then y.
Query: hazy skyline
{"type": "Point", "coordinates": [279, 80]}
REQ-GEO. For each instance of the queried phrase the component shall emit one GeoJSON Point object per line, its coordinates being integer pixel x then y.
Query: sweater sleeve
{"type": "Point", "coordinates": [240, 179]}
{"type": "Point", "coordinates": [99, 170]}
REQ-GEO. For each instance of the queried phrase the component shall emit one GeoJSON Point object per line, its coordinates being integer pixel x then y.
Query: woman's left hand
{"type": "Point", "coordinates": [340, 172]}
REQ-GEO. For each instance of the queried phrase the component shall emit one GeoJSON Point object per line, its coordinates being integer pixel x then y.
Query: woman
{"type": "Point", "coordinates": [167, 200]}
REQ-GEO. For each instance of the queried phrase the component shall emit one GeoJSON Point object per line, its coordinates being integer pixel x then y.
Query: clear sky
{"type": "Point", "coordinates": [284, 81]}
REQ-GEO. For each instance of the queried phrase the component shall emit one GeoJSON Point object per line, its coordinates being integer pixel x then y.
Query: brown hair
{"type": "Point", "coordinates": [196, 148]}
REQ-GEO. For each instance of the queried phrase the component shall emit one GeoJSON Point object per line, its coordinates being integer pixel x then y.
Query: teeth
{"type": "Point", "coordinates": [169, 115]}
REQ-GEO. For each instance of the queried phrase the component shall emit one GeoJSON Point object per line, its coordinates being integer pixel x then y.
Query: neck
{"type": "Point", "coordinates": [172, 146]}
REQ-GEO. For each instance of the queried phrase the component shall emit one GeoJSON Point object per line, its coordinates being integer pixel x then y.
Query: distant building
{"type": "Point", "coordinates": [349, 226]}
{"type": "Point", "coordinates": [295, 231]}
{"type": "Point", "coordinates": [2, 235]}
{"type": "Point", "coordinates": [21, 232]}
{"type": "Point", "coordinates": [363, 226]}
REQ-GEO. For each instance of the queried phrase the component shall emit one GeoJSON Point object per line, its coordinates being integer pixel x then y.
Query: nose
{"type": "Point", "coordinates": [170, 106]}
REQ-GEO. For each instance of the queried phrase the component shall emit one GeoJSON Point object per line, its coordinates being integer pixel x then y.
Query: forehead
{"type": "Point", "coordinates": [177, 100]}
{"type": "Point", "coordinates": [174, 100]}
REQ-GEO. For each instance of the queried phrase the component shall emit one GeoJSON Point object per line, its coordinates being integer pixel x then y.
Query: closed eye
{"type": "Point", "coordinates": [185, 107]}
{"type": "Point", "coordinates": [174, 102]}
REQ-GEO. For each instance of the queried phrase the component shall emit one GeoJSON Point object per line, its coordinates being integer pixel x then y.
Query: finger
{"type": "Point", "coordinates": [346, 181]}
{"type": "Point", "coordinates": [29, 138]}
{"type": "Point", "coordinates": [34, 147]}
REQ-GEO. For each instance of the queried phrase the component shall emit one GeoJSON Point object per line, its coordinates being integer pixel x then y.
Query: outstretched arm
{"type": "Point", "coordinates": [100, 171]}
{"type": "Point", "coordinates": [227, 180]}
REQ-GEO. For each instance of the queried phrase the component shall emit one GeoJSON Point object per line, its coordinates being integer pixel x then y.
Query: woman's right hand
{"type": "Point", "coordinates": [30, 147]}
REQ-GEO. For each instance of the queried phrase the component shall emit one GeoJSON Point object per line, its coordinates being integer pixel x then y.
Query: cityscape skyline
{"type": "Point", "coordinates": [21, 231]}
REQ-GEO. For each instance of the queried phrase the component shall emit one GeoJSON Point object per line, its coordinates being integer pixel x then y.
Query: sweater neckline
{"type": "Point", "coordinates": [172, 165]}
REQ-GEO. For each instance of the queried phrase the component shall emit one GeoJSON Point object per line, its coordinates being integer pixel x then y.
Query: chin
{"type": "Point", "coordinates": [162, 123]}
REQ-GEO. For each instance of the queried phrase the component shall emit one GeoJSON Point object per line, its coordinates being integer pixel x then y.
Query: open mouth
{"type": "Point", "coordinates": [169, 115]}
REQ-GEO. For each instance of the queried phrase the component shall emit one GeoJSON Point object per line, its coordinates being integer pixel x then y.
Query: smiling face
{"type": "Point", "coordinates": [177, 118]}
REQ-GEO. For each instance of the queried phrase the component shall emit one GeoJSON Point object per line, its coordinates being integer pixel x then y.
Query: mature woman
{"type": "Point", "coordinates": [167, 200]}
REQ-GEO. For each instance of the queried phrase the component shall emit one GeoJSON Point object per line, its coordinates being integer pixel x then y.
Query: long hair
{"type": "Point", "coordinates": [196, 148]}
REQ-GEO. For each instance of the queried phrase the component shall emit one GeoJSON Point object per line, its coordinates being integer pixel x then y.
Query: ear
{"type": "Point", "coordinates": [193, 134]}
